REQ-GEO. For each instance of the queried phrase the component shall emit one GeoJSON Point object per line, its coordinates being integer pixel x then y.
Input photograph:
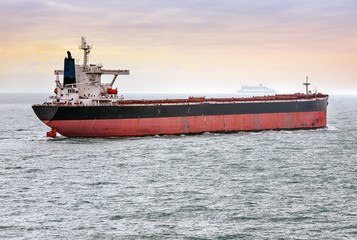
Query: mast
{"type": "Point", "coordinates": [86, 48]}
{"type": "Point", "coordinates": [307, 84]}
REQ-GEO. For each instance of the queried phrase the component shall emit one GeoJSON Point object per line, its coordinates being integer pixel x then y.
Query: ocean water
{"type": "Point", "coordinates": [250, 185]}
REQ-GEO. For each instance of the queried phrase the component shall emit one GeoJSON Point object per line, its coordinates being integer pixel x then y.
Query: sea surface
{"type": "Point", "coordinates": [298, 184]}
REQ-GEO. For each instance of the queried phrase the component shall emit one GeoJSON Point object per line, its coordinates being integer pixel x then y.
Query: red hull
{"type": "Point", "coordinates": [191, 124]}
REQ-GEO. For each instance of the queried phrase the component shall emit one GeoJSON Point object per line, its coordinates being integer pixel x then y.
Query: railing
{"type": "Point", "coordinates": [110, 102]}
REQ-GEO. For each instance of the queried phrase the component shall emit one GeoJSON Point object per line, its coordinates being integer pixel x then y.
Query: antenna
{"type": "Point", "coordinates": [307, 84]}
{"type": "Point", "coordinates": [86, 48]}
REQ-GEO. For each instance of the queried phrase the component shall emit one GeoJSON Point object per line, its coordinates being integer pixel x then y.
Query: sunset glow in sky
{"type": "Point", "coordinates": [184, 46]}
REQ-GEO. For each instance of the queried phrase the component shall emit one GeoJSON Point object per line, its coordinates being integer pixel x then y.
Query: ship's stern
{"type": "Point", "coordinates": [46, 114]}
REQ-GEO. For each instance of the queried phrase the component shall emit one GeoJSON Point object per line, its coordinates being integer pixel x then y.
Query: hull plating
{"type": "Point", "coordinates": [189, 124]}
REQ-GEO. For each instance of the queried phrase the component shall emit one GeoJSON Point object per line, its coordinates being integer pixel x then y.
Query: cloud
{"type": "Point", "coordinates": [191, 35]}
{"type": "Point", "coordinates": [194, 21]}
{"type": "Point", "coordinates": [198, 23]}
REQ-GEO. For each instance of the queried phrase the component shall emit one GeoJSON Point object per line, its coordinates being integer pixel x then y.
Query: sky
{"type": "Point", "coordinates": [184, 46]}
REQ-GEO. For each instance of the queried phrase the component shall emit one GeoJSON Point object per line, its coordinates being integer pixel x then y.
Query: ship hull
{"type": "Point", "coordinates": [141, 120]}
{"type": "Point", "coordinates": [187, 125]}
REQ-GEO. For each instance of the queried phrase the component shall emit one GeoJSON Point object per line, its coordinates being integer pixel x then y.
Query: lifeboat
{"type": "Point", "coordinates": [55, 91]}
{"type": "Point", "coordinates": [112, 91]}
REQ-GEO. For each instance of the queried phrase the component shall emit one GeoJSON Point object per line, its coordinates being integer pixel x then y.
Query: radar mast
{"type": "Point", "coordinates": [307, 85]}
{"type": "Point", "coordinates": [86, 48]}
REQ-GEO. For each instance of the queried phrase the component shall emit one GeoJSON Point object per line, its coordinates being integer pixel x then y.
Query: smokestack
{"type": "Point", "coordinates": [69, 75]}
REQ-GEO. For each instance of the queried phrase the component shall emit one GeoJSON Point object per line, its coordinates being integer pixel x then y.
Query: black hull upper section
{"type": "Point", "coordinates": [52, 113]}
{"type": "Point", "coordinates": [45, 113]}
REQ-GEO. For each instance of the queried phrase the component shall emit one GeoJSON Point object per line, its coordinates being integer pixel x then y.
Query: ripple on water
{"type": "Point", "coordinates": [247, 185]}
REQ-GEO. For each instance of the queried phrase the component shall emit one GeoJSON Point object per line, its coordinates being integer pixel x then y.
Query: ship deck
{"type": "Point", "coordinates": [198, 100]}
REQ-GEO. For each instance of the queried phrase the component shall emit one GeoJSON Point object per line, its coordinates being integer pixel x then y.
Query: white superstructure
{"type": "Point", "coordinates": [256, 89]}
{"type": "Point", "coordinates": [86, 87]}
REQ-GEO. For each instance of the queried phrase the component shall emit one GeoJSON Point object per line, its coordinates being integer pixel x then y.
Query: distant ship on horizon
{"type": "Point", "coordinates": [256, 89]}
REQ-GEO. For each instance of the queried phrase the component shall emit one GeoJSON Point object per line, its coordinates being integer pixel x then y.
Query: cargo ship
{"type": "Point", "coordinates": [84, 106]}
